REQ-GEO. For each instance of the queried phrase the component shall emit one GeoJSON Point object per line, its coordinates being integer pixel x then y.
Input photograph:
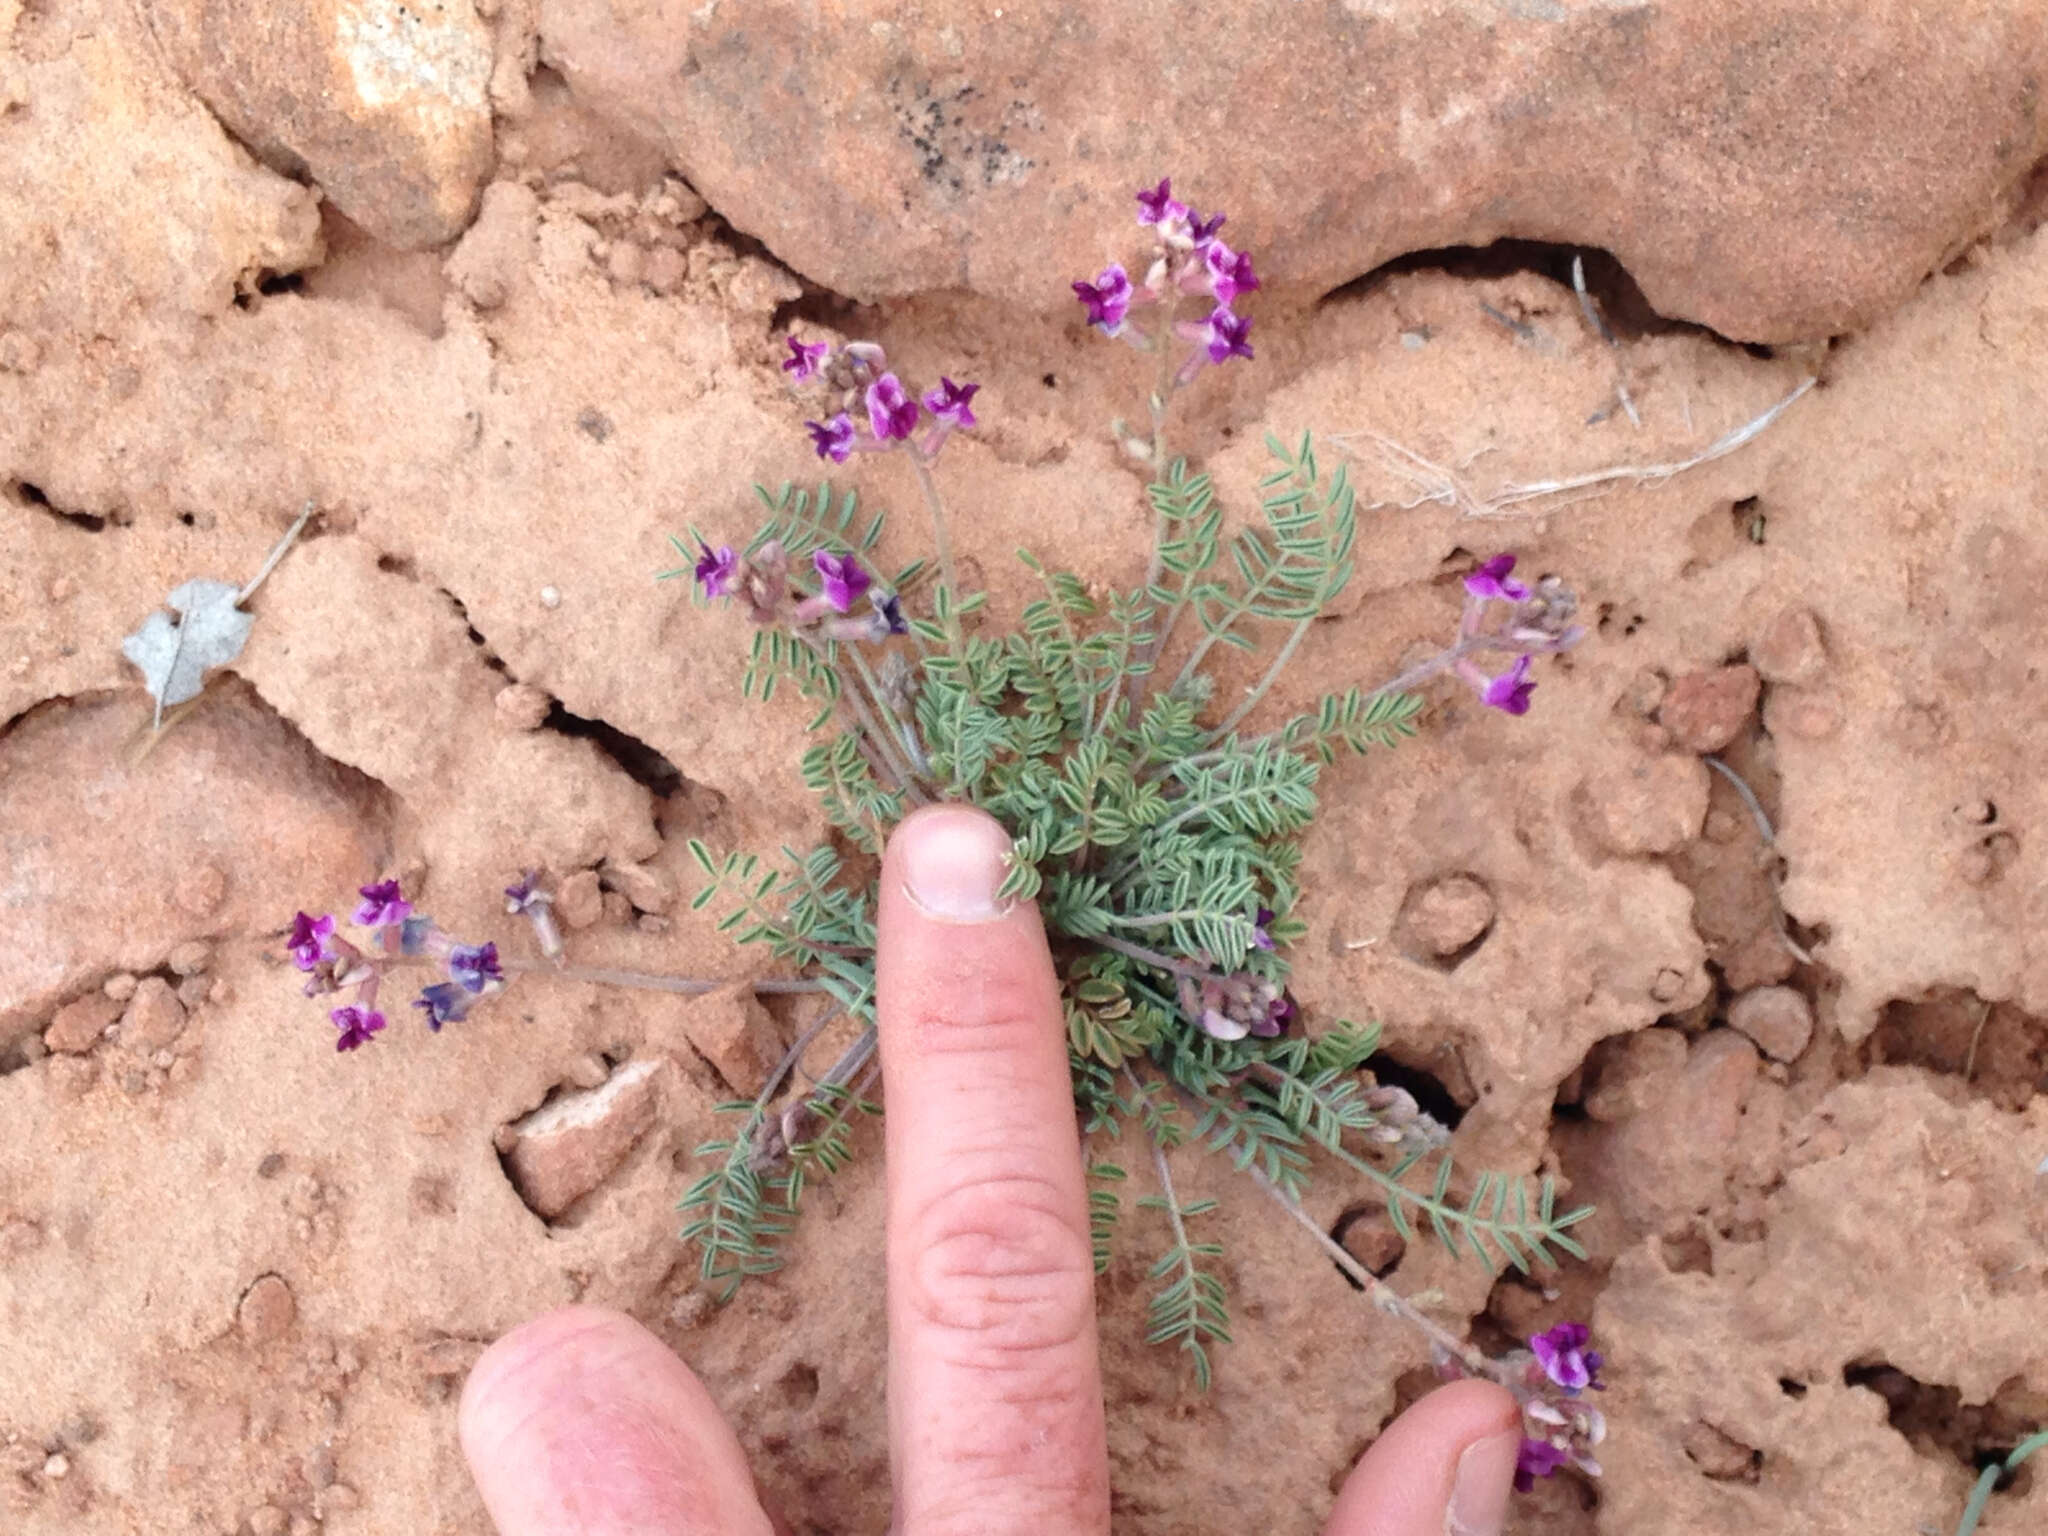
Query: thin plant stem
{"type": "Point", "coordinates": [1272, 676]}
{"type": "Point", "coordinates": [277, 553]}
{"type": "Point", "coordinates": [642, 981]}
{"type": "Point", "coordinates": [1162, 392]}
{"type": "Point", "coordinates": [1152, 957]}
{"type": "Point", "coordinates": [1384, 1296]}
{"type": "Point", "coordinates": [885, 745]}
{"type": "Point", "coordinates": [906, 732]}
{"type": "Point", "coordinates": [1180, 1231]}
{"type": "Point", "coordinates": [1987, 1483]}
{"type": "Point", "coordinates": [793, 1058]}
{"type": "Point", "coordinates": [1422, 671]}
{"type": "Point", "coordinates": [1156, 919]}
{"type": "Point", "coordinates": [942, 542]}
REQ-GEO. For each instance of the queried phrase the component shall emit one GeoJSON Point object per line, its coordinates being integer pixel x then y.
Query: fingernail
{"type": "Point", "coordinates": [1479, 1492]}
{"type": "Point", "coordinates": [953, 864]}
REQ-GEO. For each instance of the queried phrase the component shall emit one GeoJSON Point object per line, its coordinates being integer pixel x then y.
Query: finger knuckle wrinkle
{"type": "Point", "coordinates": [997, 1261]}
{"type": "Point", "coordinates": [977, 1027]}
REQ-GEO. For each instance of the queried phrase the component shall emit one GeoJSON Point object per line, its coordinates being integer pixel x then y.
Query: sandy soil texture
{"type": "Point", "coordinates": [497, 287]}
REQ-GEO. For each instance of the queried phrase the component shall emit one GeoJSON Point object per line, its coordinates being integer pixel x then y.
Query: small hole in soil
{"type": "Point", "coordinates": [1937, 1421]}
{"type": "Point", "coordinates": [642, 763]}
{"type": "Point", "coordinates": [1367, 1233]}
{"type": "Point", "coordinates": [1429, 1091]}
{"type": "Point", "coordinates": [1748, 515]}
{"type": "Point", "coordinates": [33, 494]}
{"type": "Point", "coordinates": [1688, 1253]}
{"type": "Point", "coordinates": [1999, 1051]}
{"type": "Point", "coordinates": [800, 1384]}
{"type": "Point", "coordinates": [1791, 1388]}
{"type": "Point", "coordinates": [187, 519]}
{"type": "Point", "coordinates": [398, 565]}
{"type": "Point", "coordinates": [1050, 381]}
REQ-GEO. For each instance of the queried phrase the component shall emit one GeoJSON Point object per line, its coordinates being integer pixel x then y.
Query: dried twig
{"type": "Point", "coordinates": [1599, 323]}
{"type": "Point", "coordinates": [1437, 483]}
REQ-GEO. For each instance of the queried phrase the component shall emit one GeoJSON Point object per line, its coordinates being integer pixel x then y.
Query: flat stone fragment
{"type": "Point", "coordinates": [904, 146]}
{"type": "Point", "coordinates": [386, 105]}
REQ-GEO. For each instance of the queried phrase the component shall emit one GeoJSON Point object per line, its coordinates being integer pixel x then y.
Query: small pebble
{"type": "Point", "coordinates": [587, 1071]}
{"type": "Point", "coordinates": [200, 890]}
{"type": "Point", "coordinates": [120, 986]}
{"type": "Point", "coordinates": [318, 1465]}
{"type": "Point", "coordinates": [1705, 710]}
{"type": "Point", "coordinates": [57, 1467]}
{"type": "Point", "coordinates": [191, 957]}
{"type": "Point", "coordinates": [155, 1016]}
{"type": "Point", "coordinates": [579, 900]}
{"type": "Point", "coordinates": [522, 707]}
{"type": "Point", "coordinates": [1778, 1019]}
{"type": "Point", "coordinates": [664, 270]}
{"type": "Point", "coordinates": [550, 597]}
{"type": "Point", "coordinates": [1790, 649]}
{"type": "Point", "coordinates": [648, 889]}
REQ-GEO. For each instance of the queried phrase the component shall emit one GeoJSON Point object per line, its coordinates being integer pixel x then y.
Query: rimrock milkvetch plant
{"type": "Point", "coordinates": [1156, 823]}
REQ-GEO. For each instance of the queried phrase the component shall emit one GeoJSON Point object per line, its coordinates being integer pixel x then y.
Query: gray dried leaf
{"type": "Point", "coordinates": [174, 655]}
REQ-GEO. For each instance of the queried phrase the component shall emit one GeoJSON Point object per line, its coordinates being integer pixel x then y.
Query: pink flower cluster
{"type": "Point", "coordinates": [1538, 623]}
{"type": "Point", "coordinates": [762, 580]}
{"type": "Point", "coordinates": [1559, 1428]}
{"type": "Point", "coordinates": [394, 931]}
{"type": "Point", "coordinates": [875, 410]}
{"type": "Point", "coordinates": [1189, 259]}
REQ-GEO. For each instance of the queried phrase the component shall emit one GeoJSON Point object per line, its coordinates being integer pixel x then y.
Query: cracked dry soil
{"type": "Point", "coordinates": [241, 1279]}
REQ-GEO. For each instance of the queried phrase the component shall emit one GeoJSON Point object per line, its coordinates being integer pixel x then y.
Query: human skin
{"type": "Point", "coordinates": [582, 1423]}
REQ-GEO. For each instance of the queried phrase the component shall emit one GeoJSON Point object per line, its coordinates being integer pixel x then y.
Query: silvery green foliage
{"type": "Point", "coordinates": [1163, 846]}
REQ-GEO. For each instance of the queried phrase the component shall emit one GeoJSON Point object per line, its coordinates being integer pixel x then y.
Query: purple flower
{"type": "Point", "coordinates": [526, 894]}
{"type": "Point", "coordinates": [1510, 691]}
{"type": "Point", "coordinates": [356, 1026]}
{"type": "Point", "coordinates": [833, 439]}
{"type": "Point", "coordinates": [804, 358]}
{"type": "Point", "coordinates": [1230, 272]}
{"type": "Point", "coordinates": [1223, 336]}
{"type": "Point", "coordinates": [1566, 1360]}
{"type": "Point", "coordinates": [1279, 1014]}
{"type": "Point", "coordinates": [1262, 938]}
{"type": "Point", "coordinates": [1201, 231]}
{"type": "Point", "coordinates": [891, 610]}
{"type": "Point", "coordinates": [1108, 298]}
{"type": "Point", "coordinates": [1218, 1025]}
{"type": "Point", "coordinates": [383, 906]}
{"type": "Point", "coordinates": [474, 966]}
{"type": "Point", "coordinates": [717, 569]}
{"type": "Point", "coordinates": [949, 402]}
{"type": "Point", "coordinates": [445, 1003]}
{"type": "Point", "coordinates": [1492, 580]}
{"type": "Point", "coordinates": [1157, 205]}
{"type": "Point", "coordinates": [891, 411]}
{"type": "Point", "coordinates": [311, 941]}
{"type": "Point", "coordinates": [1536, 1458]}
{"type": "Point", "coordinates": [842, 578]}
